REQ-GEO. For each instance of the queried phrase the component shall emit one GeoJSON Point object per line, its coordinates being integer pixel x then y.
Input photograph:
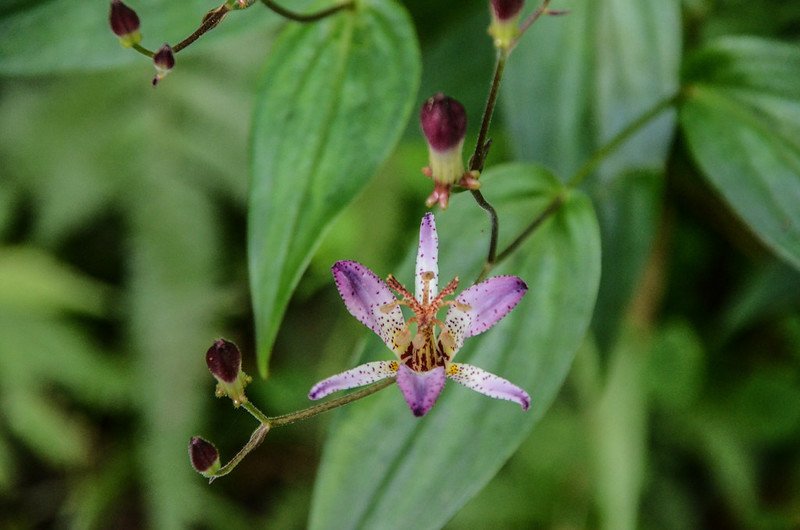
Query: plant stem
{"type": "Point", "coordinates": [255, 440]}
{"type": "Point", "coordinates": [478, 158]}
{"type": "Point", "coordinates": [311, 17]}
{"type": "Point", "coordinates": [268, 422]}
{"type": "Point", "coordinates": [528, 22]}
{"type": "Point", "coordinates": [310, 412]}
{"type": "Point", "coordinates": [550, 209]}
{"type": "Point", "coordinates": [620, 138]}
{"type": "Point", "coordinates": [215, 16]}
{"type": "Point", "coordinates": [209, 22]}
{"type": "Point", "coordinates": [577, 179]}
{"type": "Point", "coordinates": [144, 51]}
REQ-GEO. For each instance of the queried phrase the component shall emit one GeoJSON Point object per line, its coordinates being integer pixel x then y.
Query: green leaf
{"type": "Point", "coordinates": [336, 96]}
{"type": "Point", "coordinates": [629, 208]}
{"type": "Point", "coordinates": [33, 281]}
{"type": "Point", "coordinates": [64, 35]}
{"type": "Point", "coordinates": [618, 426]}
{"type": "Point", "coordinates": [381, 465]}
{"type": "Point", "coordinates": [741, 118]}
{"type": "Point", "coordinates": [576, 81]}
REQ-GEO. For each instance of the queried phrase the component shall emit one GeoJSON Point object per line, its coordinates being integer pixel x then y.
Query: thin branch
{"type": "Point", "coordinates": [549, 210]}
{"type": "Point", "coordinates": [310, 412]}
{"type": "Point", "coordinates": [585, 170]}
{"type": "Point", "coordinates": [478, 158]}
{"type": "Point", "coordinates": [210, 21]}
{"type": "Point", "coordinates": [310, 17]}
{"type": "Point", "coordinates": [620, 138]}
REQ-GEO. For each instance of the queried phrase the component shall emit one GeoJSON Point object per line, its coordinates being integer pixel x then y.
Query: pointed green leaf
{"type": "Point", "coordinates": [742, 122]}
{"type": "Point", "coordinates": [381, 465]}
{"type": "Point", "coordinates": [575, 82]}
{"type": "Point", "coordinates": [336, 96]}
{"type": "Point", "coordinates": [33, 281]}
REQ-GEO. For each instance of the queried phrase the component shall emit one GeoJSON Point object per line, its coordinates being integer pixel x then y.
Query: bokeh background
{"type": "Point", "coordinates": [122, 256]}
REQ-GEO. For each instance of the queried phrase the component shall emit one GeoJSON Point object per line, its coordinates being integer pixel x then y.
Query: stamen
{"type": "Point", "coordinates": [449, 289]}
{"type": "Point", "coordinates": [387, 308]}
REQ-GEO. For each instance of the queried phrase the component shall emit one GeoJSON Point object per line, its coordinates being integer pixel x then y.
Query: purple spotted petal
{"type": "Point", "coordinates": [427, 256]}
{"type": "Point", "coordinates": [488, 384]}
{"type": "Point", "coordinates": [420, 388]}
{"type": "Point", "coordinates": [365, 294]}
{"type": "Point", "coordinates": [488, 302]}
{"type": "Point", "coordinates": [358, 376]}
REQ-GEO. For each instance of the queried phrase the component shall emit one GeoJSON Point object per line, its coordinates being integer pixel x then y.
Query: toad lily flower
{"type": "Point", "coordinates": [424, 357]}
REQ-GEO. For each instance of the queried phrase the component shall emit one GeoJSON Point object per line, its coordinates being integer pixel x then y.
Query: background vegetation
{"type": "Point", "coordinates": [123, 228]}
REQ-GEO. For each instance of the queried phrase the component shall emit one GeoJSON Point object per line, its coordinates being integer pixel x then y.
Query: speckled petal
{"type": "Point", "coordinates": [364, 294]}
{"type": "Point", "coordinates": [427, 256]}
{"type": "Point", "coordinates": [358, 376]}
{"type": "Point", "coordinates": [488, 302]}
{"type": "Point", "coordinates": [487, 384]}
{"type": "Point", "coordinates": [420, 389]}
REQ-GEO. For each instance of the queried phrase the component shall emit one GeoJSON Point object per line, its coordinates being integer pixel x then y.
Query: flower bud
{"type": "Point", "coordinates": [204, 456]}
{"type": "Point", "coordinates": [164, 61]}
{"type": "Point", "coordinates": [124, 23]}
{"type": "Point", "coordinates": [224, 361]}
{"type": "Point", "coordinates": [505, 21]}
{"type": "Point", "coordinates": [444, 122]}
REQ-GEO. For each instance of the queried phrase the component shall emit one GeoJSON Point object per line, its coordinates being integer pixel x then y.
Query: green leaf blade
{"type": "Point", "coordinates": [380, 463]}
{"type": "Point", "coordinates": [741, 129]}
{"type": "Point", "coordinates": [337, 95]}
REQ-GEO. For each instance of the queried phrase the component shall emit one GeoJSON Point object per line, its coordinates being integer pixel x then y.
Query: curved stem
{"type": "Point", "coordinates": [310, 17]}
{"type": "Point", "coordinates": [478, 158]}
{"type": "Point", "coordinates": [210, 21]}
{"type": "Point", "coordinates": [255, 440]}
{"type": "Point", "coordinates": [584, 171]}
{"type": "Point", "coordinates": [268, 422]}
{"type": "Point", "coordinates": [620, 138]}
{"type": "Point", "coordinates": [495, 230]}
{"type": "Point", "coordinates": [550, 209]}
{"type": "Point", "coordinates": [144, 51]}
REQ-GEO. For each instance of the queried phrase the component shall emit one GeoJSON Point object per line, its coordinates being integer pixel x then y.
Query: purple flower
{"type": "Point", "coordinates": [204, 456]}
{"type": "Point", "coordinates": [164, 61]}
{"type": "Point", "coordinates": [224, 361]}
{"type": "Point", "coordinates": [444, 123]}
{"type": "Point", "coordinates": [124, 23]}
{"type": "Point", "coordinates": [424, 355]}
{"type": "Point", "coordinates": [505, 22]}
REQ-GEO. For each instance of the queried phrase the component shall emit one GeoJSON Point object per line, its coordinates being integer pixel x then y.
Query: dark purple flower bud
{"type": "Point", "coordinates": [204, 456]}
{"type": "Point", "coordinates": [444, 122]}
{"type": "Point", "coordinates": [224, 361]}
{"type": "Point", "coordinates": [164, 61]}
{"type": "Point", "coordinates": [124, 23]}
{"type": "Point", "coordinates": [506, 9]}
{"type": "Point", "coordinates": [505, 22]}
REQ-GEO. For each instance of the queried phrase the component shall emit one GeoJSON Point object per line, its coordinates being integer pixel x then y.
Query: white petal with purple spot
{"type": "Point", "coordinates": [420, 389]}
{"type": "Point", "coordinates": [427, 257]}
{"type": "Point", "coordinates": [366, 297]}
{"type": "Point", "coordinates": [364, 374]}
{"type": "Point", "coordinates": [487, 384]}
{"type": "Point", "coordinates": [488, 302]}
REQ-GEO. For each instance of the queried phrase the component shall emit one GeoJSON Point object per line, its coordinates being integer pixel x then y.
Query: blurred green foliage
{"type": "Point", "coordinates": [123, 218]}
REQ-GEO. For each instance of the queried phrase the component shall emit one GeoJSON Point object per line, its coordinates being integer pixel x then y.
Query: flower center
{"type": "Point", "coordinates": [425, 350]}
